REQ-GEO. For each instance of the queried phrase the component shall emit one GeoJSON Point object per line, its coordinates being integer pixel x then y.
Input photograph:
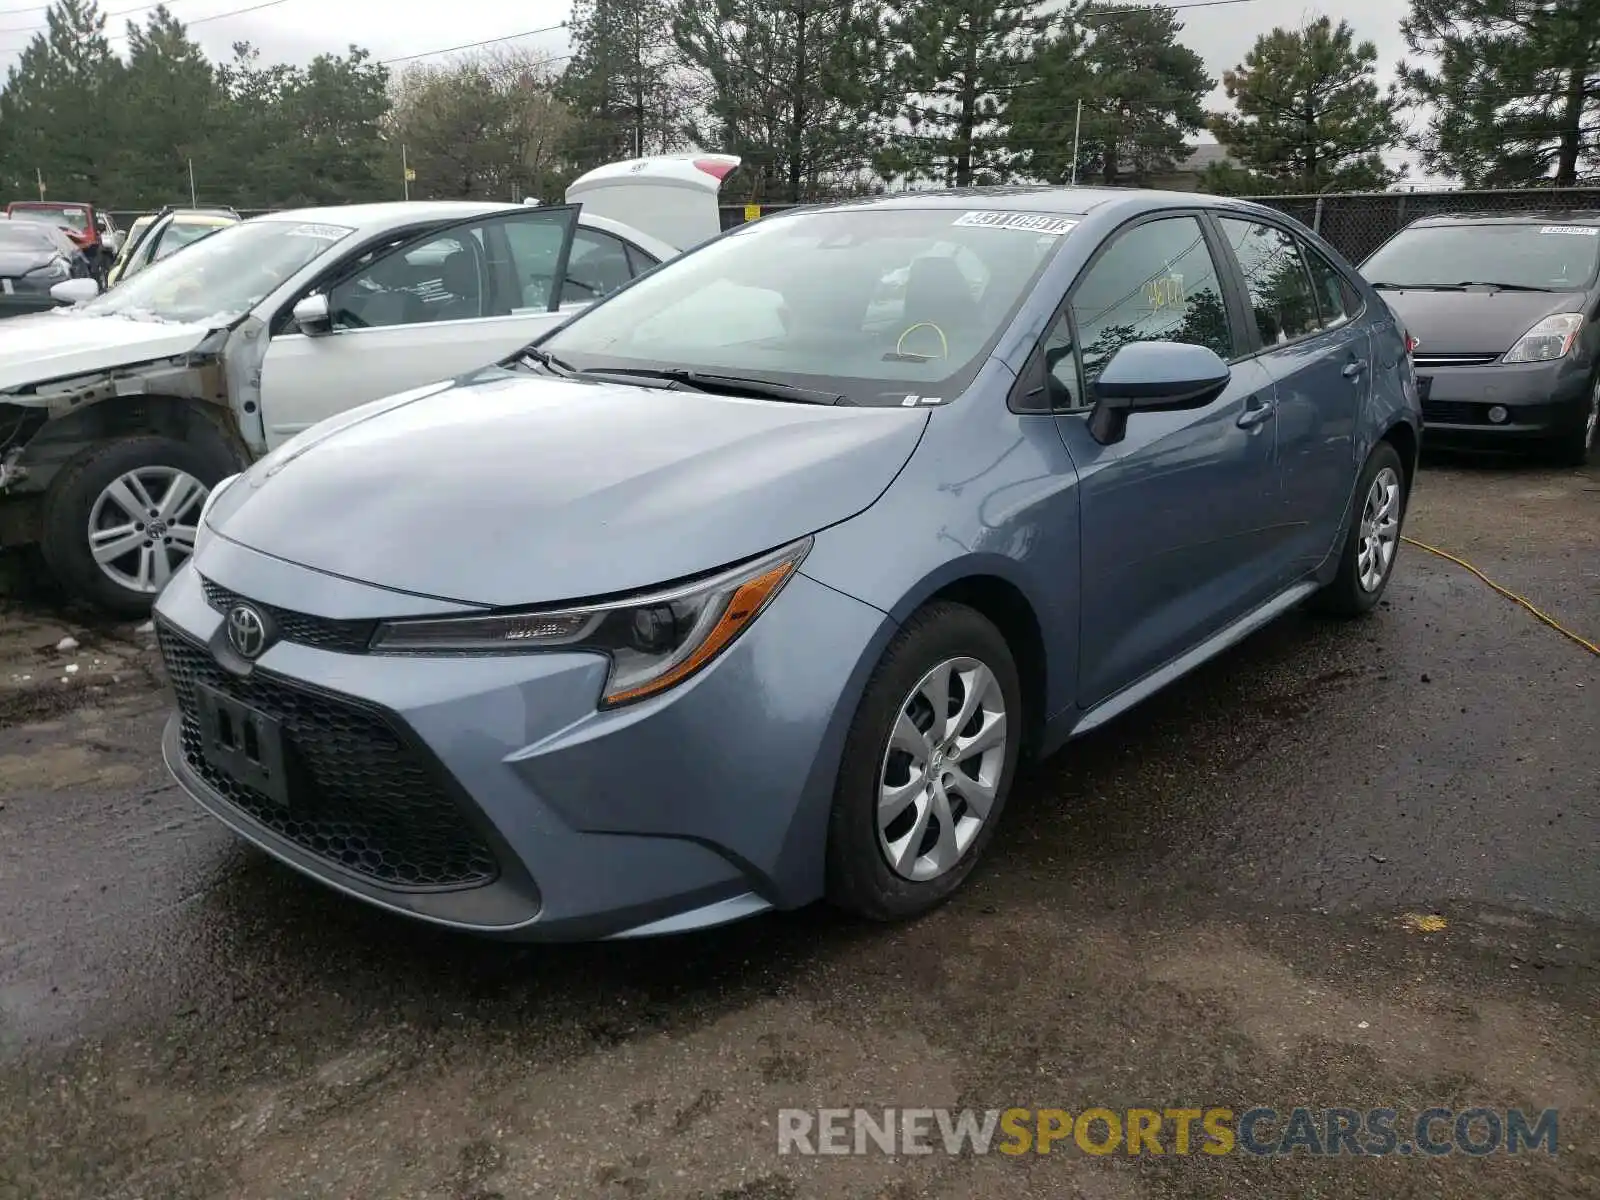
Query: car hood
{"type": "Point", "coordinates": [54, 345]}
{"type": "Point", "coordinates": [1480, 322]}
{"type": "Point", "coordinates": [509, 489]}
{"type": "Point", "coordinates": [20, 262]}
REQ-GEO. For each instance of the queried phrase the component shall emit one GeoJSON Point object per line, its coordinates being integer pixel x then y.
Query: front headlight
{"type": "Point", "coordinates": [655, 641]}
{"type": "Point", "coordinates": [1550, 339]}
{"type": "Point", "coordinates": [56, 268]}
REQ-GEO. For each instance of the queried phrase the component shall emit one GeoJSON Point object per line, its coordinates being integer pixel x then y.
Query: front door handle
{"type": "Point", "coordinates": [1256, 410]}
{"type": "Point", "coordinates": [1354, 369]}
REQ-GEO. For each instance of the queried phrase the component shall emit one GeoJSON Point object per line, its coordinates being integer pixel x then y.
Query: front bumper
{"type": "Point", "coordinates": [489, 794]}
{"type": "Point", "coordinates": [1542, 401]}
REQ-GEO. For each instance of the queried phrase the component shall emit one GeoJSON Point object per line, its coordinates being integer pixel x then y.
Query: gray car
{"type": "Point", "coordinates": [753, 583]}
{"type": "Point", "coordinates": [1504, 315]}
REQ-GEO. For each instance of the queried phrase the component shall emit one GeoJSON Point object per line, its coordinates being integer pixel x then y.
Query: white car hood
{"type": "Point", "coordinates": [54, 345]}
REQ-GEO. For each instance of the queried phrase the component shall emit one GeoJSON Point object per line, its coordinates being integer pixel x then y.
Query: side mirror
{"type": "Point", "coordinates": [312, 315]}
{"type": "Point", "coordinates": [75, 291]}
{"type": "Point", "coordinates": [1154, 377]}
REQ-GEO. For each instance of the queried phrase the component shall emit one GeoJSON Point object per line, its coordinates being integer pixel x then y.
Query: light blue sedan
{"type": "Point", "coordinates": [751, 585]}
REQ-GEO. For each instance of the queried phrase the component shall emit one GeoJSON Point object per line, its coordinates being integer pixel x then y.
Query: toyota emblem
{"type": "Point", "coordinates": [247, 631]}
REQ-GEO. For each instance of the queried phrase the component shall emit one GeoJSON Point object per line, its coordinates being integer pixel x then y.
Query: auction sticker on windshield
{"type": "Point", "coordinates": [1029, 222]}
{"type": "Point", "coordinates": [1576, 230]}
{"type": "Point", "coordinates": [326, 233]}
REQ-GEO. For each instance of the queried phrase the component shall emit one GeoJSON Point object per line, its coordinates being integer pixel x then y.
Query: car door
{"type": "Point", "coordinates": [1176, 538]}
{"type": "Point", "coordinates": [597, 266]}
{"type": "Point", "coordinates": [435, 306]}
{"type": "Point", "coordinates": [1321, 361]}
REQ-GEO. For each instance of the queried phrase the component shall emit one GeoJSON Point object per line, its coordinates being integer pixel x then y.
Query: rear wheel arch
{"type": "Point", "coordinates": [1403, 437]}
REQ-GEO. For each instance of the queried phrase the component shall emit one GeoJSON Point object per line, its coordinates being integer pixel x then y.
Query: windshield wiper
{"type": "Point", "coordinates": [1503, 287]}
{"type": "Point", "coordinates": [1420, 287]}
{"type": "Point", "coordinates": [731, 385]}
{"type": "Point", "coordinates": [543, 358]}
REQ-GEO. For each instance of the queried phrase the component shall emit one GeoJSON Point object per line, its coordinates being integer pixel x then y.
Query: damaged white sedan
{"type": "Point", "coordinates": [118, 415]}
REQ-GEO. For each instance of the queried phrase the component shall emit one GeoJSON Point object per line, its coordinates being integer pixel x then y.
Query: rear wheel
{"type": "Point", "coordinates": [927, 766]}
{"type": "Point", "coordinates": [1373, 540]}
{"type": "Point", "coordinates": [121, 518]}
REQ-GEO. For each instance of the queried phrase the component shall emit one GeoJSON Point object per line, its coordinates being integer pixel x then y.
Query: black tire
{"type": "Point", "coordinates": [859, 878]}
{"type": "Point", "coordinates": [1576, 447]}
{"type": "Point", "coordinates": [1345, 596]}
{"type": "Point", "coordinates": [71, 499]}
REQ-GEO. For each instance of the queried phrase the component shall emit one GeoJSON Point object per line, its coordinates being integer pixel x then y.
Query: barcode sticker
{"type": "Point", "coordinates": [1575, 230]}
{"type": "Point", "coordinates": [1042, 223]}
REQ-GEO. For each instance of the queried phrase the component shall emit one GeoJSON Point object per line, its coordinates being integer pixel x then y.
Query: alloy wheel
{"type": "Point", "coordinates": [942, 769]}
{"type": "Point", "coordinates": [1380, 530]}
{"type": "Point", "coordinates": [142, 527]}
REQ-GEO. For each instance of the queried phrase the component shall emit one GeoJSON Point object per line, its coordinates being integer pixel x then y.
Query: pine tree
{"type": "Point", "coordinates": [1141, 91]}
{"type": "Point", "coordinates": [171, 103]}
{"type": "Point", "coordinates": [1515, 97]}
{"type": "Point", "coordinates": [623, 82]}
{"type": "Point", "coordinates": [797, 88]}
{"type": "Point", "coordinates": [58, 109]}
{"type": "Point", "coordinates": [958, 62]}
{"type": "Point", "coordinates": [1310, 116]}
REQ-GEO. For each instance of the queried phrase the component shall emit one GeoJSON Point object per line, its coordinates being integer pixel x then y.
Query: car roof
{"type": "Point", "coordinates": [1532, 216]}
{"type": "Point", "coordinates": [368, 219]}
{"type": "Point", "coordinates": [1045, 198]}
{"type": "Point", "coordinates": [194, 217]}
{"type": "Point", "coordinates": [392, 214]}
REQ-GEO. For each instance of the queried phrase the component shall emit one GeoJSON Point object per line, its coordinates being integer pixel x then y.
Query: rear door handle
{"type": "Point", "coordinates": [1256, 410]}
{"type": "Point", "coordinates": [1354, 369]}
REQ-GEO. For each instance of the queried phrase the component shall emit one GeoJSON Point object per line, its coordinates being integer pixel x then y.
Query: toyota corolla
{"type": "Point", "coordinates": [750, 585]}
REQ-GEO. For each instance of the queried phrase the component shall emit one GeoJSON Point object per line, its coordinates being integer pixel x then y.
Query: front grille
{"type": "Point", "coordinates": [366, 799]}
{"type": "Point", "coordinates": [1453, 360]}
{"type": "Point", "coordinates": [322, 633]}
{"type": "Point", "coordinates": [1454, 412]}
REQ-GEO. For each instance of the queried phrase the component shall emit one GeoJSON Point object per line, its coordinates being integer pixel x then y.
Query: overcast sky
{"type": "Point", "coordinates": [296, 30]}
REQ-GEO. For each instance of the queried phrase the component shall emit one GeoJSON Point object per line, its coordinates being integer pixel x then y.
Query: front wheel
{"type": "Point", "coordinates": [1576, 447]}
{"type": "Point", "coordinates": [927, 766]}
{"type": "Point", "coordinates": [121, 518]}
{"type": "Point", "coordinates": [1373, 539]}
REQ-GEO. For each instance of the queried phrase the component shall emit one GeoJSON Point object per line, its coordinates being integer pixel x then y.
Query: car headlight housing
{"type": "Point", "coordinates": [56, 268]}
{"type": "Point", "coordinates": [655, 640]}
{"type": "Point", "coordinates": [1550, 339]}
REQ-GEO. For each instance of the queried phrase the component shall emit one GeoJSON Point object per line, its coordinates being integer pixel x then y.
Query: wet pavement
{"type": "Point", "coordinates": [1213, 903]}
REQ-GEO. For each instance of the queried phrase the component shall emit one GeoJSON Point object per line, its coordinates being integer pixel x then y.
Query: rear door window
{"type": "Point", "coordinates": [1276, 283]}
{"type": "Point", "coordinates": [1337, 301]}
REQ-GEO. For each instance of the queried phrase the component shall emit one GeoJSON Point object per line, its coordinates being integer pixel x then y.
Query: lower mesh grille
{"type": "Point", "coordinates": [366, 800]}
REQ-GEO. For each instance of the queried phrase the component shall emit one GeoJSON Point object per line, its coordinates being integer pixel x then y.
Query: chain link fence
{"type": "Point", "coordinates": [1357, 223]}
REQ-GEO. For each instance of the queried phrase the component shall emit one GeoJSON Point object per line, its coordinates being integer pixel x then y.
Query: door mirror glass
{"type": "Point", "coordinates": [311, 315]}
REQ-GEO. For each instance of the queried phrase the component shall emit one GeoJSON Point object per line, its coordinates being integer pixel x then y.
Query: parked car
{"type": "Point", "coordinates": [1505, 312]}
{"type": "Point", "coordinates": [168, 231]}
{"type": "Point", "coordinates": [116, 416]}
{"type": "Point", "coordinates": [33, 259]}
{"type": "Point", "coordinates": [738, 590]}
{"type": "Point", "coordinates": [91, 229]}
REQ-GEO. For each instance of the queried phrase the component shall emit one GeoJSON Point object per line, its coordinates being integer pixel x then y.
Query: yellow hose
{"type": "Point", "coordinates": [1508, 594]}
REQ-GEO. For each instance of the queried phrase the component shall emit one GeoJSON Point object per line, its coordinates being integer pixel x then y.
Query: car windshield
{"type": "Point", "coordinates": [881, 305]}
{"type": "Point", "coordinates": [72, 218]}
{"type": "Point", "coordinates": [221, 277]}
{"type": "Point", "coordinates": [23, 237]}
{"type": "Point", "coordinates": [1547, 256]}
{"type": "Point", "coordinates": [181, 233]}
